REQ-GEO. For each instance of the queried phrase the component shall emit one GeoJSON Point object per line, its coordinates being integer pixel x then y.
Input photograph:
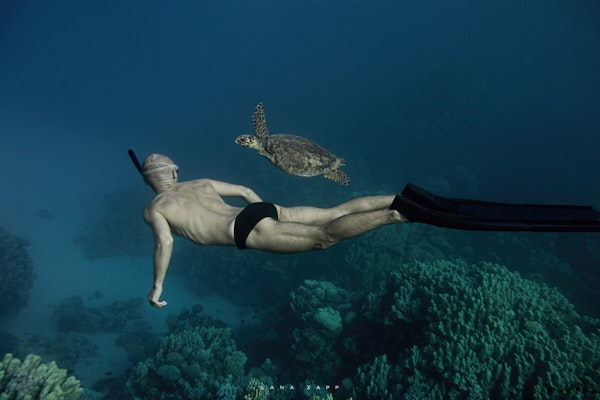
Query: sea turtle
{"type": "Point", "coordinates": [292, 154]}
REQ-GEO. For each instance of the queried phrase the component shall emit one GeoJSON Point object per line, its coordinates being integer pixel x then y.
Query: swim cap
{"type": "Point", "coordinates": [158, 172]}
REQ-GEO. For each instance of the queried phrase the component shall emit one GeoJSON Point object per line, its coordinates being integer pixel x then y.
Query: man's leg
{"type": "Point", "coordinates": [292, 237]}
{"type": "Point", "coordinates": [320, 216]}
{"type": "Point", "coordinates": [352, 225]}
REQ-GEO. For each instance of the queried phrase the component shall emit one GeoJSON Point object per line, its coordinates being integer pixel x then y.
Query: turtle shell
{"type": "Point", "coordinates": [299, 156]}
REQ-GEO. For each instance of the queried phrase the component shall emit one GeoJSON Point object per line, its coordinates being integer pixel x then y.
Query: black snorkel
{"type": "Point", "coordinates": [135, 161]}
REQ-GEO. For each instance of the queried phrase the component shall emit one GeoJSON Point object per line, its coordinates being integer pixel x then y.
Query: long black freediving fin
{"type": "Point", "coordinates": [419, 205]}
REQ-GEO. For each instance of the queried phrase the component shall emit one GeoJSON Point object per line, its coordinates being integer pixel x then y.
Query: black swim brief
{"type": "Point", "coordinates": [248, 218]}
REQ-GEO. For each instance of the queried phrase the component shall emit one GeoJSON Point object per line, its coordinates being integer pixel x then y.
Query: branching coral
{"type": "Point", "coordinates": [32, 379]}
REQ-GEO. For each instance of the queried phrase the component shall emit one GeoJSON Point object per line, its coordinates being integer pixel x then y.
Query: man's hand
{"type": "Point", "coordinates": [154, 297]}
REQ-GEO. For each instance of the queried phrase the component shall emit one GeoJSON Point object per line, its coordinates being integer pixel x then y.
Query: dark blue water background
{"type": "Point", "coordinates": [498, 100]}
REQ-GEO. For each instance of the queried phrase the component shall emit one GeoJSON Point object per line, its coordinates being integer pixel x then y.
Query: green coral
{"type": "Point", "coordinates": [256, 390]}
{"type": "Point", "coordinates": [330, 319]}
{"type": "Point", "coordinates": [321, 308]}
{"type": "Point", "coordinates": [374, 379]}
{"type": "Point", "coordinates": [196, 363]}
{"type": "Point", "coordinates": [32, 379]}
{"type": "Point", "coordinates": [311, 295]}
{"type": "Point", "coordinates": [481, 331]}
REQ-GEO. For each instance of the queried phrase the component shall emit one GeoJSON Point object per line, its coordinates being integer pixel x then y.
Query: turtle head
{"type": "Point", "coordinates": [249, 141]}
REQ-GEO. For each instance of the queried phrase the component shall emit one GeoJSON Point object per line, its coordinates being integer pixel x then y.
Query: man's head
{"type": "Point", "coordinates": [160, 172]}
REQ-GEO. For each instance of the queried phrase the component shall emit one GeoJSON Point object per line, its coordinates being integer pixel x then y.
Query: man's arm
{"type": "Point", "coordinates": [163, 248]}
{"type": "Point", "coordinates": [231, 190]}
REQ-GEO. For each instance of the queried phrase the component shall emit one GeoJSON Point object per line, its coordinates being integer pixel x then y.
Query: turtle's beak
{"type": "Point", "coordinates": [242, 141]}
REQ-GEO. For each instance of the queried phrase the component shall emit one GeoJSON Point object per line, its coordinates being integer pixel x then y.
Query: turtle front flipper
{"type": "Point", "coordinates": [259, 122]}
{"type": "Point", "coordinates": [338, 176]}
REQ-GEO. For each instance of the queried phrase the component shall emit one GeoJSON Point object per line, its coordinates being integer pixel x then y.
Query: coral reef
{"type": "Point", "coordinates": [139, 344]}
{"type": "Point", "coordinates": [189, 318]}
{"type": "Point", "coordinates": [16, 272]}
{"type": "Point", "coordinates": [375, 381]}
{"type": "Point", "coordinates": [478, 331]}
{"type": "Point", "coordinates": [369, 259]}
{"type": "Point", "coordinates": [321, 308]}
{"type": "Point", "coordinates": [312, 295]}
{"type": "Point", "coordinates": [564, 262]}
{"type": "Point", "coordinates": [76, 321]}
{"type": "Point", "coordinates": [256, 390]}
{"type": "Point", "coordinates": [74, 316]}
{"type": "Point", "coordinates": [196, 363]}
{"type": "Point", "coordinates": [67, 348]}
{"type": "Point", "coordinates": [32, 379]}
{"type": "Point", "coordinates": [93, 395]}
{"type": "Point", "coordinates": [254, 277]}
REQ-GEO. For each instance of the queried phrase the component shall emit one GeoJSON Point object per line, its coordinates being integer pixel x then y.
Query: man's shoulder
{"type": "Point", "coordinates": [195, 183]}
{"type": "Point", "coordinates": [160, 200]}
{"type": "Point", "coordinates": [195, 187]}
{"type": "Point", "coordinates": [163, 204]}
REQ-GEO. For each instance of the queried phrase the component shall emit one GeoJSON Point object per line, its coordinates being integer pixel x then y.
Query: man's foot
{"type": "Point", "coordinates": [396, 203]}
{"type": "Point", "coordinates": [397, 206]}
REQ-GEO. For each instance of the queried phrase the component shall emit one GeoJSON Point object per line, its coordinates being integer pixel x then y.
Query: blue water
{"type": "Point", "coordinates": [496, 100]}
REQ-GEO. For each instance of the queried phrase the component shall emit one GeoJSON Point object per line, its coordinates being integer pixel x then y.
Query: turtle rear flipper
{"type": "Point", "coordinates": [338, 176]}
{"type": "Point", "coordinates": [259, 122]}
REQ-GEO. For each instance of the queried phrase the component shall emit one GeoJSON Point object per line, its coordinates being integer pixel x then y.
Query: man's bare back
{"type": "Point", "coordinates": [196, 211]}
